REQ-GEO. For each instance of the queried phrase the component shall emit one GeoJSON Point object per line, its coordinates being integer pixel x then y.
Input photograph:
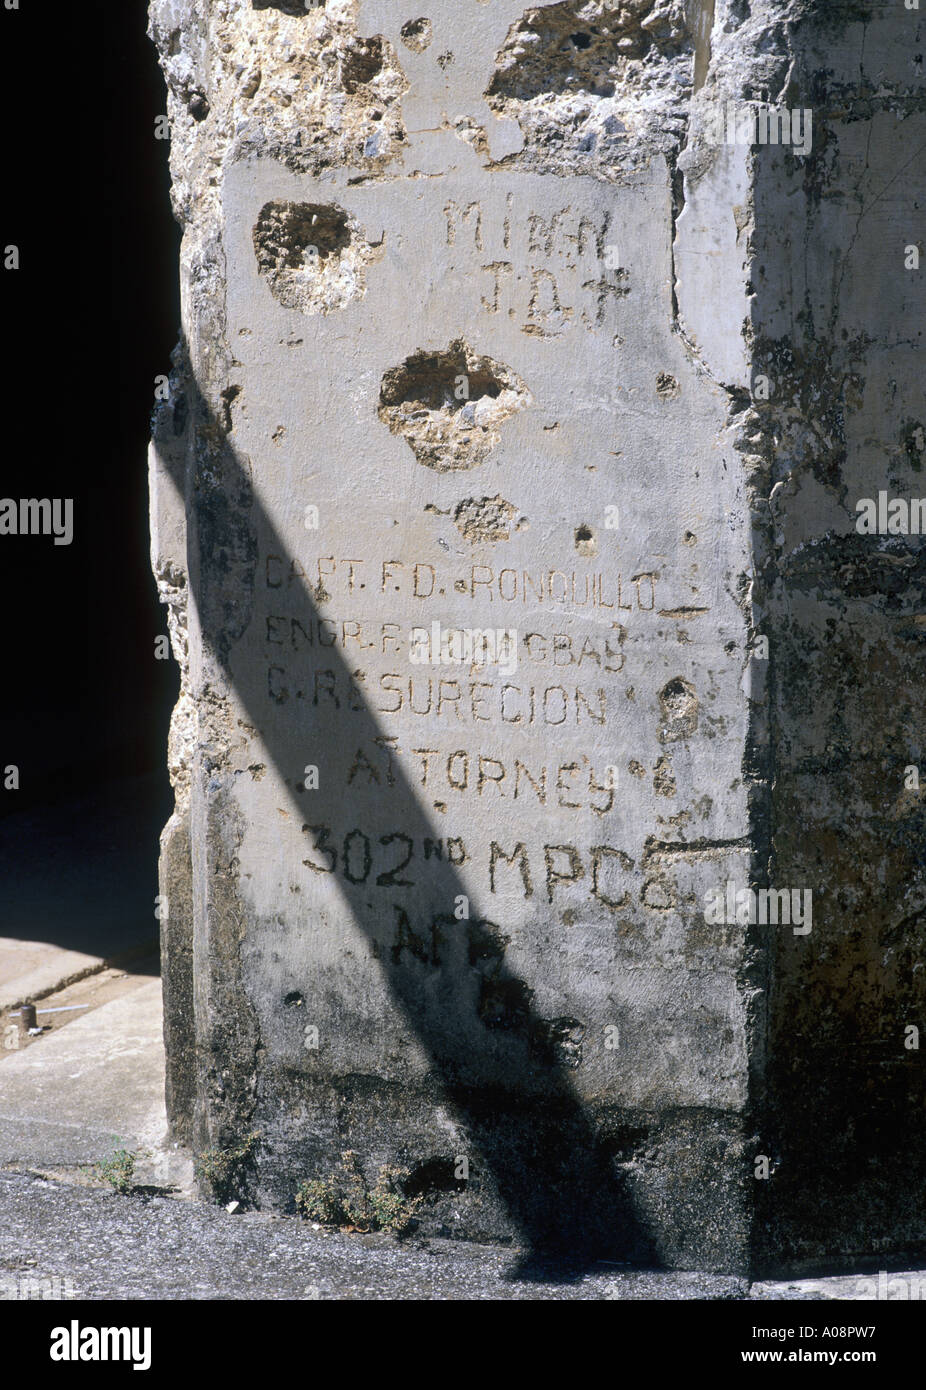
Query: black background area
{"type": "Point", "coordinates": [90, 319]}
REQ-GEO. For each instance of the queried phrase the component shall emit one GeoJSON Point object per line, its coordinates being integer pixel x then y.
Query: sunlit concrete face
{"type": "Point", "coordinates": [469, 662]}
{"type": "Point", "coordinates": [485, 652]}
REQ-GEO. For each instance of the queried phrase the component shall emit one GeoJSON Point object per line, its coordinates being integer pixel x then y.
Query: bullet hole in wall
{"type": "Point", "coordinates": [449, 405]}
{"type": "Point", "coordinates": [362, 61]}
{"type": "Point", "coordinates": [417, 34]}
{"type": "Point", "coordinates": [585, 540]}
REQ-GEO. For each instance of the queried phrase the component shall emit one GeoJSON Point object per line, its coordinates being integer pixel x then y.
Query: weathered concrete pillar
{"type": "Point", "coordinates": [478, 505]}
{"type": "Point", "coordinates": [841, 291]}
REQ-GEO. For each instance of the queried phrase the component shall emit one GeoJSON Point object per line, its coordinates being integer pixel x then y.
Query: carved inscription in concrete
{"type": "Point", "coordinates": [484, 628]}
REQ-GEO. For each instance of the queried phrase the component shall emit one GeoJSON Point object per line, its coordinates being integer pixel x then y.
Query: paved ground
{"type": "Point", "coordinates": [96, 1080]}
{"type": "Point", "coordinates": [87, 1243]}
{"type": "Point", "coordinates": [111, 1247]}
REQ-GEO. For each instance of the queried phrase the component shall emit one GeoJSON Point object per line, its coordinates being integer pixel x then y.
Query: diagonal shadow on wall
{"type": "Point", "coordinates": [502, 1070]}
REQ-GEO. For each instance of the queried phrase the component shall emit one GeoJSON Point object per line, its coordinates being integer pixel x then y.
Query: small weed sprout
{"type": "Point", "coordinates": [222, 1168]}
{"type": "Point", "coordinates": [118, 1170]}
{"type": "Point", "coordinates": [317, 1200]}
{"type": "Point", "coordinates": [345, 1200]}
{"type": "Point", "coordinates": [392, 1210]}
